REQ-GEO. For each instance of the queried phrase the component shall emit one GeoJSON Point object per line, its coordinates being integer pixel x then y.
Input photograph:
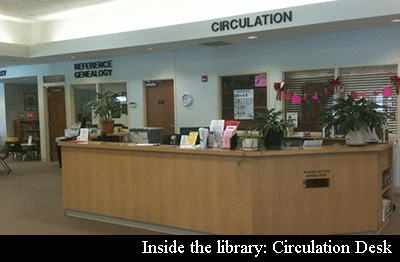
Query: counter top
{"type": "Point", "coordinates": [336, 149]}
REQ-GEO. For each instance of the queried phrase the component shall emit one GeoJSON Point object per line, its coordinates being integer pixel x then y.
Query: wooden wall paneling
{"type": "Point", "coordinates": [228, 192]}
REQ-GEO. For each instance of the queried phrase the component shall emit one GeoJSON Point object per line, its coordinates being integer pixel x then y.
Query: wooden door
{"type": "Point", "coordinates": [57, 117]}
{"type": "Point", "coordinates": [160, 105]}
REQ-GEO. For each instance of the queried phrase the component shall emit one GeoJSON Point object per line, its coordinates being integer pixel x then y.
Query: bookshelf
{"type": "Point", "coordinates": [25, 128]}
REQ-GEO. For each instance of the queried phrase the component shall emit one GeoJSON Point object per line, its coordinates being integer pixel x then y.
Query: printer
{"type": "Point", "coordinates": [146, 135]}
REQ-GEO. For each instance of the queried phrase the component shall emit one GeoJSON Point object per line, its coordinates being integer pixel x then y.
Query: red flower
{"type": "Point", "coordinates": [354, 94]}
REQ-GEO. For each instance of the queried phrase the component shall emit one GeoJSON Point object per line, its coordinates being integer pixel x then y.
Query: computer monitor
{"type": "Point", "coordinates": [147, 135]}
{"type": "Point", "coordinates": [184, 131]}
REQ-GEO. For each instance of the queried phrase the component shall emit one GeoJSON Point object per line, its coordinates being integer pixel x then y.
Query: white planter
{"type": "Point", "coordinates": [250, 144]}
{"type": "Point", "coordinates": [358, 138]}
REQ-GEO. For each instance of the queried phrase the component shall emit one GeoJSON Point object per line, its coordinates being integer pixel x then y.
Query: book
{"type": "Point", "coordinates": [228, 134]}
{"type": "Point", "coordinates": [192, 138]}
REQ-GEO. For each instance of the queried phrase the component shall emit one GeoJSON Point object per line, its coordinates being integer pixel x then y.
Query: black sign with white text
{"type": "Point", "coordinates": [259, 247]}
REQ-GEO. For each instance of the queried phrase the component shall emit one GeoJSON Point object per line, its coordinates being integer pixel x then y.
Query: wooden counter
{"type": "Point", "coordinates": [230, 192]}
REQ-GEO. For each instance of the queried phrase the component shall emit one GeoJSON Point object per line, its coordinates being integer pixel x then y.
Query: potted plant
{"type": "Point", "coordinates": [105, 106]}
{"type": "Point", "coordinates": [270, 128]}
{"type": "Point", "coordinates": [356, 119]}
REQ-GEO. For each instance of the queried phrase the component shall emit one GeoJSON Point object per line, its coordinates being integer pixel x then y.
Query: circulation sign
{"type": "Point", "coordinates": [248, 22]}
{"type": "Point", "coordinates": [93, 69]}
{"type": "Point", "coordinates": [3, 72]}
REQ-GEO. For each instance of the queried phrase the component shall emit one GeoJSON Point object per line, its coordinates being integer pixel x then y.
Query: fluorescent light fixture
{"type": "Point", "coordinates": [396, 20]}
{"type": "Point", "coordinates": [252, 37]}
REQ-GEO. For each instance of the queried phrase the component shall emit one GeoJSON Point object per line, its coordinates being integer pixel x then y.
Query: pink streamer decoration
{"type": "Point", "coordinates": [387, 92]}
{"type": "Point", "coordinates": [296, 100]}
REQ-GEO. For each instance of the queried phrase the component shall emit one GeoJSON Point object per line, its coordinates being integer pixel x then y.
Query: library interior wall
{"type": "Point", "coordinates": [3, 123]}
{"type": "Point", "coordinates": [346, 49]}
{"type": "Point", "coordinates": [14, 95]}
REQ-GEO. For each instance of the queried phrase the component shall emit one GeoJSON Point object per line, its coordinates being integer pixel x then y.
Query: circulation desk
{"type": "Point", "coordinates": [326, 190]}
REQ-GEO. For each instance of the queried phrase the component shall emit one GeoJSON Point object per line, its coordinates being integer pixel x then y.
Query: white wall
{"type": "Point", "coordinates": [356, 48]}
{"type": "Point", "coordinates": [3, 123]}
{"type": "Point", "coordinates": [14, 96]}
{"type": "Point", "coordinates": [15, 32]}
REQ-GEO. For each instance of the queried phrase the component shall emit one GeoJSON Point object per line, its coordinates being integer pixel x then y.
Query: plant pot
{"type": "Point", "coordinates": [273, 140]}
{"type": "Point", "coordinates": [250, 144]}
{"type": "Point", "coordinates": [358, 138]}
{"type": "Point", "coordinates": [108, 126]}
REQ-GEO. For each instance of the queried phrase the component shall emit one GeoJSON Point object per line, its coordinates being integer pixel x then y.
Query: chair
{"type": "Point", "coordinates": [4, 152]}
{"type": "Point", "coordinates": [15, 149]}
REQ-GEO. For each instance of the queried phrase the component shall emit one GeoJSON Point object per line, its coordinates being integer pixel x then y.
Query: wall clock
{"type": "Point", "coordinates": [187, 100]}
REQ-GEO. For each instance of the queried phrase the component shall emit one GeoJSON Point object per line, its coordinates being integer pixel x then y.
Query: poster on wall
{"type": "Point", "coordinates": [292, 119]}
{"type": "Point", "coordinates": [30, 102]}
{"type": "Point", "coordinates": [260, 81]}
{"type": "Point", "coordinates": [243, 104]}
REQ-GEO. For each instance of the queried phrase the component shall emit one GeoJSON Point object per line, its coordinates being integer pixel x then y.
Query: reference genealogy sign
{"type": "Point", "coordinates": [93, 69]}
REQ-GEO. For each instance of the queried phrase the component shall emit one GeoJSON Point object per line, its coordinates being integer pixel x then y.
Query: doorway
{"type": "Point", "coordinates": [57, 117]}
{"type": "Point", "coordinates": [160, 105]}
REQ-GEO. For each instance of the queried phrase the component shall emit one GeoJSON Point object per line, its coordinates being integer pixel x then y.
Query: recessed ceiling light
{"type": "Point", "coordinates": [73, 57]}
{"type": "Point", "coordinates": [150, 48]}
{"type": "Point", "coordinates": [252, 37]}
{"type": "Point", "coordinates": [396, 21]}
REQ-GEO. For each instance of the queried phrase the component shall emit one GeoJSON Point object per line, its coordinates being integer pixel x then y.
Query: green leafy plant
{"type": "Point", "coordinates": [270, 126]}
{"type": "Point", "coordinates": [105, 105]}
{"type": "Point", "coordinates": [349, 114]}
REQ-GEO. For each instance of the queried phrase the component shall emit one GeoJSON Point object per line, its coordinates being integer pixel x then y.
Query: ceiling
{"type": "Point", "coordinates": [32, 9]}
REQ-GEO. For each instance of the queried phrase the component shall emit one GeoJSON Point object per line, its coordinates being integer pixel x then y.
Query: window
{"type": "Point", "coordinates": [309, 85]}
{"type": "Point", "coordinates": [372, 80]}
{"type": "Point", "coordinates": [83, 95]}
{"type": "Point", "coordinates": [121, 89]}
